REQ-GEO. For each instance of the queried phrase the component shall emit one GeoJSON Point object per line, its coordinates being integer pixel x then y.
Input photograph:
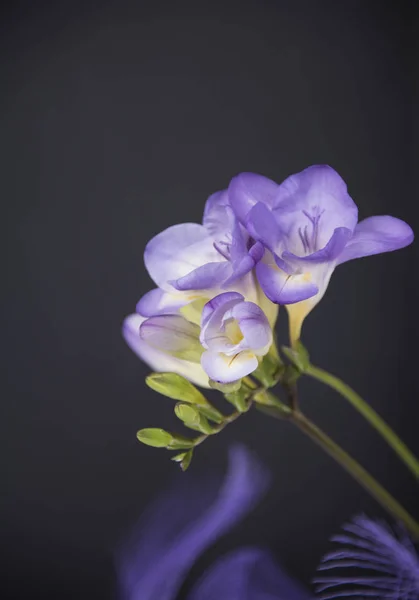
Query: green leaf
{"type": "Point", "coordinates": [298, 356]}
{"type": "Point", "coordinates": [184, 459]}
{"type": "Point", "coordinates": [158, 438]}
{"type": "Point", "coordinates": [192, 418]}
{"type": "Point", "coordinates": [175, 386]}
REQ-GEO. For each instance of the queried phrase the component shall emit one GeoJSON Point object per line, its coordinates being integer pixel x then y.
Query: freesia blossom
{"type": "Point", "coordinates": [235, 333]}
{"type": "Point", "coordinates": [225, 346]}
{"type": "Point", "coordinates": [309, 225]}
{"type": "Point", "coordinates": [191, 261]}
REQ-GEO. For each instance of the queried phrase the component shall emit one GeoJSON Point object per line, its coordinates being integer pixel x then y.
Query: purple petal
{"type": "Point", "coordinates": [261, 224]}
{"type": "Point", "coordinates": [317, 191]}
{"type": "Point", "coordinates": [210, 275]}
{"type": "Point", "coordinates": [225, 299]}
{"type": "Point", "coordinates": [177, 251]}
{"type": "Point", "coordinates": [182, 523]}
{"type": "Point", "coordinates": [218, 216]}
{"type": "Point", "coordinates": [225, 369]}
{"type": "Point", "coordinates": [247, 189]}
{"type": "Point", "coordinates": [247, 574]}
{"type": "Point", "coordinates": [282, 288]}
{"type": "Point", "coordinates": [329, 253]}
{"type": "Point", "coordinates": [254, 326]}
{"type": "Point", "coordinates": [375, 235]}
{"type": "Point", "coordinates": [158, 360]}
{"type": "Point", "coordinates": [158, 302]}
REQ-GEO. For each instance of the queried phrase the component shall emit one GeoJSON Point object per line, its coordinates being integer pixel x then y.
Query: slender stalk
{"type": "Point", "coordinates": [357, 471]}
{"type": "Point", "coordinates": [369, 414]}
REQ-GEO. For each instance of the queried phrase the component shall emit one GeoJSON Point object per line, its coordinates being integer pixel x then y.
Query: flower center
{"type": "Point", "coordinates": [233, 331]}
{"type": "Point", "coordinates": [309, 233]}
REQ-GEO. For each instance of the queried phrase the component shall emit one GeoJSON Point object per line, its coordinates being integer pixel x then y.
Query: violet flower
{"type": "Point", "coordinates": [392, 562]}
{"type": "Point", "coordinates": [184, 522]}
{"type": "Point", "coordinates": [191, 261]}
{"type": "Point", "coordinates": [309, 225]}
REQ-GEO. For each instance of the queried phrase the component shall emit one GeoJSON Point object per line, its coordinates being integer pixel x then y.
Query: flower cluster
{"type": "Point", "coordinates": [260, 245]}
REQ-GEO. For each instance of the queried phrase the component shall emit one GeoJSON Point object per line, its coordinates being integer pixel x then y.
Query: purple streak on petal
{"type": "Point", "coordinates": [210, 275]}
{"type": "Point", "coordinates": [315, 198]}
{"type": "Point", "coordinates": [375, 235]}
{"type": "Point", "coordinates": [158, 302]}
{"type": "Point", "coordinates": [247, 574]}
{"type": "Point", "coordinates": [177, 251]}
{"type": "Point", "coordinates": [247, 189]}
{"type": "Point", "coordinates": [282, 288]}
{"type": "Point", "coordinates": [182, 523]}
{"type": "Point", "coordinates": [329, 253]}
{"type": "Point", "coordinates": [225, 369]}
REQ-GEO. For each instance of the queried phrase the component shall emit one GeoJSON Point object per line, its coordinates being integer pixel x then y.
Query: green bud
{"type": "Point", "coordinates": [158, 438]}
{"type": "Point", "coordinates": [192, 418]}
{"type": "Point", "coordinates": [298, 356]}
{"type": "Point", "coordinates": [175, 386]}
{"type": "Point", "coordinates": [184, 459]}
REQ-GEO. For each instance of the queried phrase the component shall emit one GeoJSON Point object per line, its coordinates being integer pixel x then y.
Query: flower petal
{"type": "Point", "coordinates": [177, 251]}
{"type": "Point", "coordinates": [375, 235]}
{"type": "Point", "coordinates": [218, 216]}
{"type": "Point", "coordinates": [225, 369]}
{"type": "Point", "coordinates": [226, 299]}
{"type": "Point", "coordinates": [247, 189]}
{"type": "Point", "coordinates": [174, 335]}
{"type": "Point", "coordinates": [247, 574]}
{"type": "Point", "coordinates": [318, 190]}
{"type": "Point", "coordinates": [329, 253]}
{"type": "Point", "coordinates": [261, 224]}
{"type": "Point", "coordinates": [210, 275]}
{"type": "Point", "coordinates": [254, 326]}
{"type": "Point", "coordinates": [182, 523]}
{"type": "Point", "coordinates": [158, 360]}
{"type": "Point", "coordinates": [282, 288]}
{"type": "Point", "coordinates": [158, 302]}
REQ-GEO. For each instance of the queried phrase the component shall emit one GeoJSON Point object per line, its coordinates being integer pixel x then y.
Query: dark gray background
{"type": "Point", "coordinates": [118, 119]}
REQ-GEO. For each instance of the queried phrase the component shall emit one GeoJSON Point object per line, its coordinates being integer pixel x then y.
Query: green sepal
{"type": "Point", "coordinates": [270, 368]}
{"type": "Point", "coordinates": [266, 398]}
{"type": "Point", "coordinates": [298, 355]}
{"type": "Point", "coordinates": [175, 386]}
{"type": "Point", "coordinates": [192, 418]}
{"type": "Point", "coordinates": [158, 438]}
{"type": "Point", "coordinates": [184, 459]}
{"type": "Point", "coordinates": [226, 388]}
{"type": "Point", "coordinates": [239, 398]}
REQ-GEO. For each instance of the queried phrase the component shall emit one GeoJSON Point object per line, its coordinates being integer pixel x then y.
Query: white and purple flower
{"type": "Point", "coordinates": [309, 225]}
{"type": "Point", "coordinates": [235, 335]}
{"type": "Point", "coordinates": [227, 344]}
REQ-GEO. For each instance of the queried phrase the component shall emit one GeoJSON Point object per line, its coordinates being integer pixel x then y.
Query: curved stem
{"type": "Point", "coordinates": [351, 466]}
{"type": "Point", "coordinates": [357, 471]}
{"type": "Point", "coordinates": [369, 414]}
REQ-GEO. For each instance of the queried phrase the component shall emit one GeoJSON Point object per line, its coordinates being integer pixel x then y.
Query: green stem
{"type": "Point", "coordinates": [369, 414]}
{"type": "Point", "coordinates": [350, 465]}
